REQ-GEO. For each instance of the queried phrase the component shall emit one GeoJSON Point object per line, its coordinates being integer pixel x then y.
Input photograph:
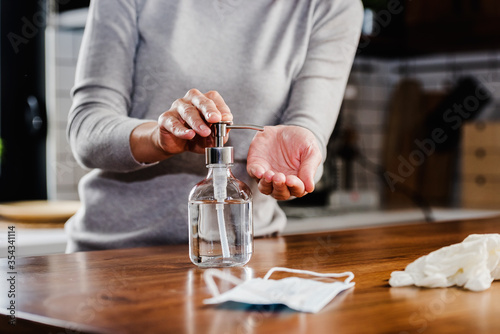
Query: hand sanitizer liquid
{"type": "Point", "coordinates": [206, 248]}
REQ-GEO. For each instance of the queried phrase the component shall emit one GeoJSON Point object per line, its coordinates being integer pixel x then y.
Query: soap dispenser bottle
{"type": "Point", "coordinates": [220, 209]}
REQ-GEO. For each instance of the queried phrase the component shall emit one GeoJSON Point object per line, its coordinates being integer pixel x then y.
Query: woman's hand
{"type": "Point", "coordinates": [184, 127]}
{"type": "Point", "coordinates": [284, 160]}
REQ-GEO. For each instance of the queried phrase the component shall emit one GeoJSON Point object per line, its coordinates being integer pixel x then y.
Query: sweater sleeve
{"type": "Point", "coordinates": [318, 90]}
{"type": "Point", "coordinates": [99, 125]}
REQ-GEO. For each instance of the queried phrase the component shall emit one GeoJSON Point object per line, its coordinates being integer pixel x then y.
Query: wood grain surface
{"type": "Point", "coordinates": [157, 289]}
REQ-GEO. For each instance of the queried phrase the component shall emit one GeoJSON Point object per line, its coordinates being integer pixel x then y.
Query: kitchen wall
{"type": "Point", "coordinates": [367, 99]}
{"type": "Point", "coordinates": [63, 45]}
{"type": "Point", "coordinates": [372, 83]}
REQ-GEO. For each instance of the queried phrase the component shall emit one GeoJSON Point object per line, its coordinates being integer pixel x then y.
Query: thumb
{"type": "Point", "coordinates": [308, 167]}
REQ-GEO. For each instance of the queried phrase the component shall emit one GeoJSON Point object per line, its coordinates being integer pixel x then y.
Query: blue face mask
{"type": "Point", "coordinates": [300, 294]}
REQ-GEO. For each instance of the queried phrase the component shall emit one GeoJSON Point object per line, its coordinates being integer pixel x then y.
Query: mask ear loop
{"type": "Point", "coordinates": [209, 274]}
{"type": "Point", "coordinates": [349, 274]}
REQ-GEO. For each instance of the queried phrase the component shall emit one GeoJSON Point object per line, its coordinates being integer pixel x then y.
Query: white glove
{"type": "Point", "coordinates": [473, 264]}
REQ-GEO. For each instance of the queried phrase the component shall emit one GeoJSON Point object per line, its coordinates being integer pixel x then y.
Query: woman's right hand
{"type": "Point", "coordinates": [184, 127]}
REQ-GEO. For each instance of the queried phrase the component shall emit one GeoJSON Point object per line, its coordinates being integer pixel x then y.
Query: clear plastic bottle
{"type": "Point", "coordinates": [220, 219]}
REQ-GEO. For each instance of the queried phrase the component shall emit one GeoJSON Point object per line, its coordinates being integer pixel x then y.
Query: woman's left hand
{"type": "Point", "coordinates": [284, 159]}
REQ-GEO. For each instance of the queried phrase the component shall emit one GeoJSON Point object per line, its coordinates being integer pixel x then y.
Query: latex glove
{"type": "Point", "coordinates": [184, 127]}
{"type": "Point", "coordinates": [473, 264]}
{"type": "Point", "coordinates": [284, 160]}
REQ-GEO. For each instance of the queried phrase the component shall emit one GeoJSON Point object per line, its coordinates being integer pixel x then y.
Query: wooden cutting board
{"type": "Point", "coordinates": [39, 211]}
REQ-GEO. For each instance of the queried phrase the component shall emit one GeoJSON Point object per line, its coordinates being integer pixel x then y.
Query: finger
{"type": "Point", "coordinates": [205, 105]}
{"type": "Point", "coordinates": [221, 105]}
{"type": "Point", "coordinates": [255, 171]}
{"type": "Point", "coordinates": [169, 122]}
{"type": "Point", "coordinates": [191, 115]}
{"type": "Point", "coordinates": [268, 176]}
{"type": "Point", "coordinates": [266, 183]}
{"type": "Point", "coordinates": [280, 190]}
{"type": "Point", "coordinates": [295, 186]}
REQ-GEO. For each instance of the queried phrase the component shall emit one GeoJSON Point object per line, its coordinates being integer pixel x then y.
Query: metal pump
{"type": "Point", "coordinates": [220, 154]}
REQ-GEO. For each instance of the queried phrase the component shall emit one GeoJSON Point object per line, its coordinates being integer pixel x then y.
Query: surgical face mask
{"type": "Point", "coordinates": [300, 294]}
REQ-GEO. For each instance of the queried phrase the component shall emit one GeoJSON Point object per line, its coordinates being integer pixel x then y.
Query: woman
{"type": "Point", "coordinates": [280, 63]}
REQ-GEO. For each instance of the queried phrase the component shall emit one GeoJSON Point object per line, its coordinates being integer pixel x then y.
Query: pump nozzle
{"type": "Point", "coordinates": [221, 130]}
{"type": "Point", "coordinates": [220, 154]}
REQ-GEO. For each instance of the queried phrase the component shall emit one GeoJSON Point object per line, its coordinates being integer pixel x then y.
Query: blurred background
{"type": "Point", "coordinates": [418, 127]}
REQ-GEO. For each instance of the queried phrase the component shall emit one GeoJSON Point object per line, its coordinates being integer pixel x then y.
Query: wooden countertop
{"type": "Point", "coordinates": [157, 289]}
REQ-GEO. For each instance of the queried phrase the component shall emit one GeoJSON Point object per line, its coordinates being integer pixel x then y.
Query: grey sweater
{"type": "Point", "coordinates": [273, 61]}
